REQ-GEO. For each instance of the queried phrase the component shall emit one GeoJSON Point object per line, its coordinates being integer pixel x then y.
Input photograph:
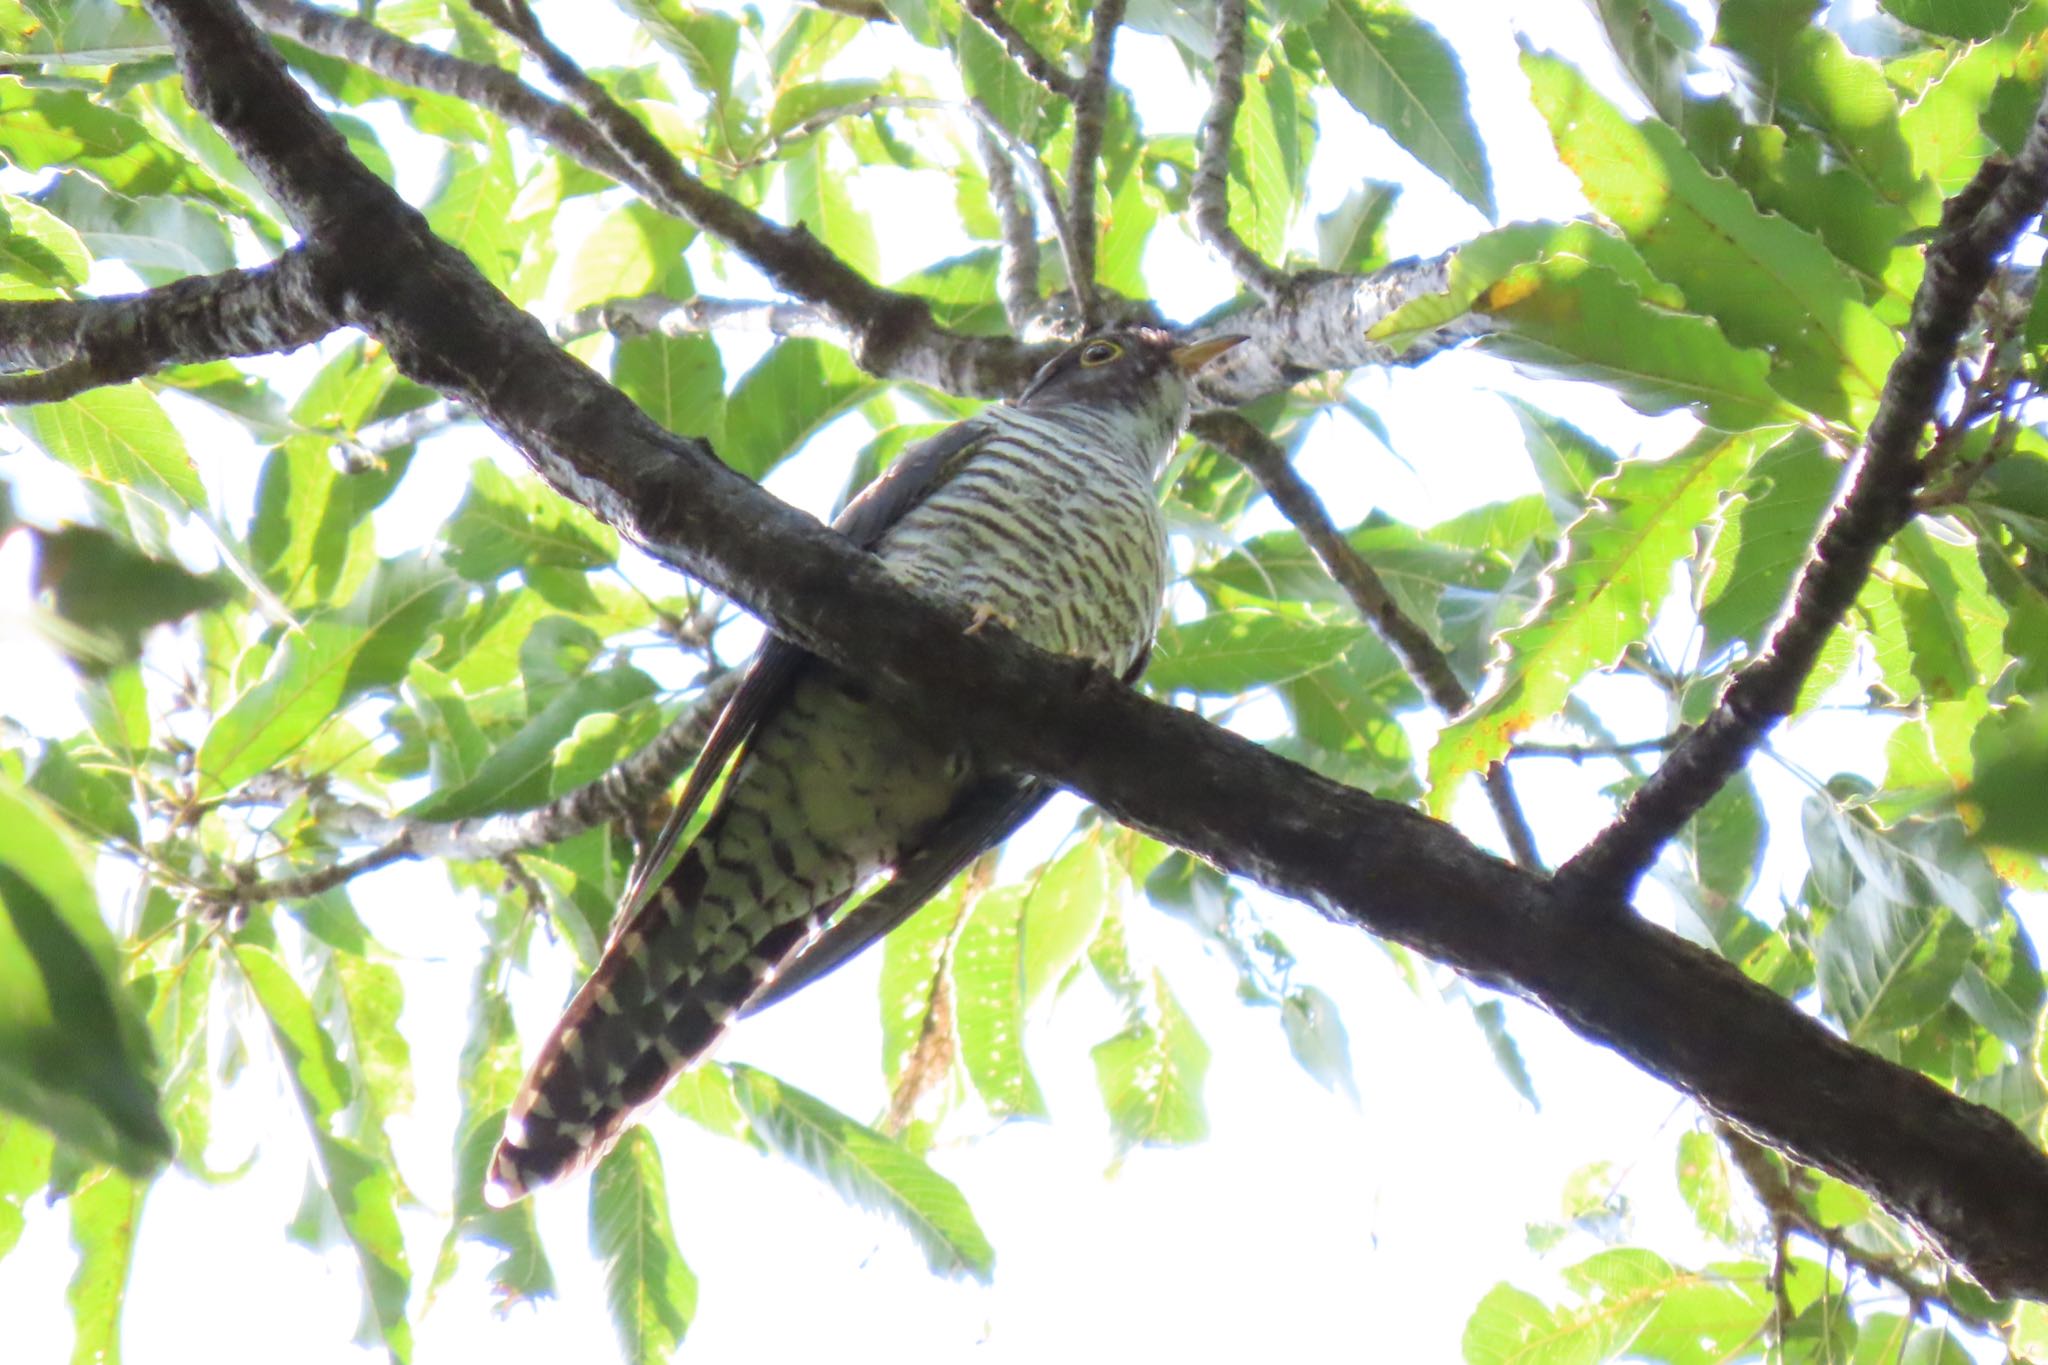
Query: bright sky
{"type": "Point", "coordinates": [1302, 1225]}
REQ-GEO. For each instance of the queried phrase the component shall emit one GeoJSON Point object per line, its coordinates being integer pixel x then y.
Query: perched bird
{"type": "Point", "coordinates": [1039, 512]}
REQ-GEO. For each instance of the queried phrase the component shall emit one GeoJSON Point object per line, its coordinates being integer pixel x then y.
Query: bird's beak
{"type": "Point", "coordinates": [1196, 354]}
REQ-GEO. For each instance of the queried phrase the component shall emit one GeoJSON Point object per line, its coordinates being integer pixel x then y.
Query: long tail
{"type": "Point", "coordinates": [656, 1004]}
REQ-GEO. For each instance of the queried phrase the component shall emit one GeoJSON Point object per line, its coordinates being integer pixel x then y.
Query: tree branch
{"type": "Point", "coordinates": [1090, 110]}
{"type": "Point", "coordinates": [1018, 280]}
{"type": "Point", "coordinates": [80, 344]}
{"type": "Point", "coordinates": [1211, 192]}
{"type": "Point", "coordinates": [888, 333]}
{"type": "Point", "coordinates": [1960, 1171]}
{"type": "Point", "coordinates": [1035, 63]}
{"type": "Point", "coordinates": [1418, 653]}
{"type": "Point", "coordinates": [1978, 226]}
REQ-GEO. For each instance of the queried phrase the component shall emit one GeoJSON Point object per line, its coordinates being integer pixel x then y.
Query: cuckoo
{"type": "Point", "coordinates": [1039, 512]}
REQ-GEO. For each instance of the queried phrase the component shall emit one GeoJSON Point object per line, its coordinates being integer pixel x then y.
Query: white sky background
{"type": "Point", "coordinates": [1301, 1226]}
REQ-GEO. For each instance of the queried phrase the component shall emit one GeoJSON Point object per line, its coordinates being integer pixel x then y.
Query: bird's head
{"type": "Point", "coordinates": [1139, 374]}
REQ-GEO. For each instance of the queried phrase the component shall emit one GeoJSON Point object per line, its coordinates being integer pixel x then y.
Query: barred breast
{"type": "Point", "coordinates": [1052, 523]}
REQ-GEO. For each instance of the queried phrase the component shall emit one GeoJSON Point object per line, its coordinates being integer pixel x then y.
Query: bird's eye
{"type": "Point", "coordinates": [1100, 352]}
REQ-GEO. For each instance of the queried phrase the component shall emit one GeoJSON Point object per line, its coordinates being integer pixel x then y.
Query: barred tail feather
{"type": "Point", "coordinates": [624, 1038]}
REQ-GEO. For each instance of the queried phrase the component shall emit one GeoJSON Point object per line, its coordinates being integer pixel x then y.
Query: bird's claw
{"type": "Point", "coordinates": [983, 614]}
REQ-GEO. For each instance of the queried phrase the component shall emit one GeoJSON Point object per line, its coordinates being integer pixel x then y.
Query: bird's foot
{"type": "Point", "coordinates": [983, 614]}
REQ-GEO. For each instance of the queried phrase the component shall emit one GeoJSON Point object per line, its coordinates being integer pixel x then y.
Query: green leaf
{"type": "Point", "coordinates": [1151, 1075]}
{"type": "Point", "coordinates": [649, 1288]}
{"type": "Point", "coordinates": [1066, 906]}
{"type": "Point", "coordinates": [634, 250]}
{"type": "Point", "coordinates": [1703, 1184]}
{"type": "Point", "coordinates": [1120, 257]}
{"type": "Point", "coordinates": [1488, 258]}
{"type": "Point", "coordinates": [332, 658]}
{"type": "Point", "coordinates": [1969, 19]}
{"type": "Point", "coordinates": [360, 1190]}
{"type": "Point", "coordinates": [2012, 772]}
{"type": "Point", "coordinates": [1566, 318]}
{"type": "Point", "coordinates": [165, 237]}
{"type": "Point", "coordinates": [1019, 103]}
{"type": "Point", "coordinates": [1769, 283]}
{"type": "Point", "coordinates": [1263, 199]}
{"type": "Point", "coordinates": [913, 955]}
{"type": "Point", "coordinates": [819, 201]}
{"type": "Point", "coordinates": [106, 1212]}
{"type": "Point", "coordinates": [1351, 238]}
{"type": "Point", "coordinates": [75, 1055]}
{"type": "Point", "coordinates": [1765, 544]}
{"type": "Point", "coordinates": [40, 254]}
{"type": "Point", "coordinates": [117, 435]}
{"type": "Point", "coordinates": [1399, 72]}
{"type": "Point", "coordinates": [505, 524]}
{"type": "Point", "coordinates": [97, 800]}
{"type": "Point", "coordinates": [1316, 1037]}
{"type": "Point", "coordinates": [25, 1150]}
{"type": "Point", "coordinates": [518, 771]}
{"type": "Point", "coordinates": [678, 381]}
{"type": "Point", "coordinates": [471, 210]}
{"type": "Point", "coordinates": [114, 594]}
{"type": "Point", "coordinates": [1568, 462]}
{"type": "Point", "coordinates": [1805, 69]}
{"type": "Point", "coordinates": [704, 41]}
{"type": "Point", "coordinates": [1228, 652]}
{"type": "Point", "coordinates": [1655, 41]}
{"type": "Point", "coordinates": [988, 986]}
{"type": "Point", "coordinates": [868, 1170]}
{"type": "Point", "coordinates": [1615, 572]}
{"type": "Point", "coordinates": [1492, 1018]}
{"type": "Point", "coordinates": [795, 389]}
{"type": "Point", "coordinates": [42, 127]}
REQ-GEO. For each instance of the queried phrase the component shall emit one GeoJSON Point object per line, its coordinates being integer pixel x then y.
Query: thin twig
{"type": "Point", "coordinates": [1579, 753]}
{"type": "Point", "coordinates": [623, 792]}
{"type": "Point", "coordinates": [1018, 280]}
{"type": "Point", "coordinates": [1978, 226]}
{"type": "Point", "coordinates": [1035, 63]}
{"type": "Point", "coordinates": [1211, 191]}
{"type": "Point", "coordinates": [1091, 106]}
{"type": "Point", "coordinates": [1419, 654]}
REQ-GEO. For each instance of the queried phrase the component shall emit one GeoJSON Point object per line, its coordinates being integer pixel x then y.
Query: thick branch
{"type": "Point", "coordinates": [81, 344]}
{"type": "Point", "coordinates": [1978, 226]}
{"type": "Point", "coordinates": [1973, 1181]}
{"type": "Point", "coordinates": [1091, 106]}
{"type": "Point", "coordinates": [1418, 653]}
{"type": "Point", "coordinates": [1211, 191]}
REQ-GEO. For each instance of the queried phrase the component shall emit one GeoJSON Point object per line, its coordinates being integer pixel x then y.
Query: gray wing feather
{"type": "Point", "coordinates": [917, 473]}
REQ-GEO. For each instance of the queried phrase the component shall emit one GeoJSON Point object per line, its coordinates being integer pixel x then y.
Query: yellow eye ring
{"type": "Point", "coordinates": [1100, 352]}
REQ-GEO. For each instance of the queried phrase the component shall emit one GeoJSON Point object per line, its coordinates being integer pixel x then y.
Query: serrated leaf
{"type": "Point", "coordinates": [868, 1170]}
{"type": "Point", "coordinates": [678, 381]}
{"type": "Point", "coordinates": [818, 199]}
{"type": "Point", "coordinates": [114, 594]}
{"type": "Point", "coordinates": [649, 1288]}
{"type": "Point", "coordinates": [1401, 74]}
{"type": "Point", "coordinates": [1568, 462]}
{"type": "Point", "coordinates": [1769, 283]}
{"type": "Point", "coordinates": [1599, 598]}
{"type": "Point", "coordinates": [1316, 1037]}
{"type": "Point", "coordinates": [164, 237]}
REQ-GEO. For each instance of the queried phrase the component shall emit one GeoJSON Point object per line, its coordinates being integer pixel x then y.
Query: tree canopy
{"type": "Point", "coordinates": [266, 266]}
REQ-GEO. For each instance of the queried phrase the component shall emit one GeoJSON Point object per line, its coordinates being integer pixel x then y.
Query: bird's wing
{"type": "Point", "coordinates": [983, 817]}
{"type": "Point", "coordinates": [915, 475]}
